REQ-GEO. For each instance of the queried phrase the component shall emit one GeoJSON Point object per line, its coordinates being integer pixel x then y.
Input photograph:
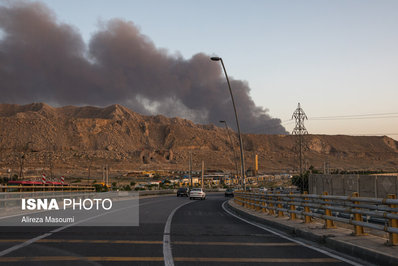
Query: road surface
{"type": "Point", "coordinates": [171, 231]}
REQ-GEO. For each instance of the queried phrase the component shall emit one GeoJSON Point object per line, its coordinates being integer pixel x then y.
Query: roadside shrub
{"type": "Point", "coordinates": [301, 181]}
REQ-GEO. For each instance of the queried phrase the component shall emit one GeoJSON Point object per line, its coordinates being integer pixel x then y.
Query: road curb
{"type": "Point", "coordinates": [329, 241]}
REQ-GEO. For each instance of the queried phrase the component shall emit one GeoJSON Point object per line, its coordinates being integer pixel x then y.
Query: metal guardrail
{"type": "Point", "coordinates": [156, 192]}
{"type": "Point", "coordinates": [360, 210]}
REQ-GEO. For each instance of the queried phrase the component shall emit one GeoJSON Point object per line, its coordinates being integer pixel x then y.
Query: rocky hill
{"type": "Point", "coordinates": [69, 139]}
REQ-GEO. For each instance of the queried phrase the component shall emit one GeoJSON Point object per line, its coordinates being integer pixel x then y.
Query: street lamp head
{"type": "Point", "coordinates": [222, 121]}
{"type": "Point", "coordinates": [215, 58]}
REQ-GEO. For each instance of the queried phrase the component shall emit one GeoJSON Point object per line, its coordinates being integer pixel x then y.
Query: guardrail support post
{"type": "Point", "coordinates": [328, 212]}
{"type": "Point", "coordinates": [248, 201]}
{"type": "Point", "coordinates": [264, 204]}
{"type": "Point", "coordinates": [236, 199]}
{"type": "Point", "coordinates": [270, 205]}
{"type": "Point", "coordinates": [393, 237]}
{"type": "Point", "coordinates": [292, 208]}
{"type": "Point", "coordinates": [258, 207]}
{"type": "Point", "coordinates": [307, 219]}
{"type": "Point", "coordinates": [242, 199]}
{"type": "Point", "coordinates": [280, 213]}
{"type": "Point", "coordinates": [358, 230]}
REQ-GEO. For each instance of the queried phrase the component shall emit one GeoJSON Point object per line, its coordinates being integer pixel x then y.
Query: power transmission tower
{"type": "Point", "coordinates": [300, 130]}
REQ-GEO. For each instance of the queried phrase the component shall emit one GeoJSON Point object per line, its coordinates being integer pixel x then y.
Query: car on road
{"type": "Point", "coordinates": [263, 190]}
{"type": "Point", "coordinates": [229, 192]}
{"type": "Point", "coordinates": [183, 191]}
{"type": "Point", "coordinates": [197, 193]}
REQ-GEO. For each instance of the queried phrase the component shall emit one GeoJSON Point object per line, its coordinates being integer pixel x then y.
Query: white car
{"type": "Point", "coordinates": [197, 193]}
{"type": "Point", "coordinates": [263, 190]}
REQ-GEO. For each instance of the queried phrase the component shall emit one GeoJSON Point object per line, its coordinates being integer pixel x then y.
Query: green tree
{"type": "Point", "coordinates": [301, 181]}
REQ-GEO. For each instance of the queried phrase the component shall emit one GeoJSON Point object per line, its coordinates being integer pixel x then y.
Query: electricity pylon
{"type": "Point", "coordinates": [300, 130]}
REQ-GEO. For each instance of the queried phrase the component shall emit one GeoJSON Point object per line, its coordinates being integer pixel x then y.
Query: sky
{"type": "Point", "coordinates": [337, 58]}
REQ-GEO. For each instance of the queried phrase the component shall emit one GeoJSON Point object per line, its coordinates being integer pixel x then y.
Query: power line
{"type": "Point", "coordinates": [373, 114]}
{"type": "Point", "coordinates": [357, 116]}
{"type": "Point", "coordinates": [375, 134]}
{"type": "Point", "coordinates": [352, 118]}
{"type": "Point", "coordinates": [286, 122]}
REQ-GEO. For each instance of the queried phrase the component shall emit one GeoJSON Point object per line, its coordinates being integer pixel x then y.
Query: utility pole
{"type": "Point", "coordinates": [89, 170]}
{"type": "Point", "coordinates": [326, 167]}
{"type": "Point", "coordinates": [190, 168]}
{"type": "Point", "coordinates": [103, 173]}
{"type": "Point", "coordinates": [300, 130]}
{"type": "Point", "coordinates": [107, 174]}
{"type": "Point", "coordinates": [203, 171]}
{"type": "Point", "coordinates": [21, 162]}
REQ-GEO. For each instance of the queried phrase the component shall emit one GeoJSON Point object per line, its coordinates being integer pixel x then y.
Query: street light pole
{"type": "Point", "coordinates": [232, 144]}
{"type": "Point", "coordinates": [237, 121]}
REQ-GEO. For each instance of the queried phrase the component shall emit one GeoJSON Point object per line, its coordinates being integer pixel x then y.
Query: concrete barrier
{"type": "Point", "coordinates": [375, 186]}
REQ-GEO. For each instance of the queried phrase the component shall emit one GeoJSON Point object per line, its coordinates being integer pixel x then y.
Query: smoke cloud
{"type": "Point", "coordinates": [42, 60]}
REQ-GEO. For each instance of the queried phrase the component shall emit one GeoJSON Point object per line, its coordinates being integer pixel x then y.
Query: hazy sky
{"type": "Point", "coordinates": [336, 58]}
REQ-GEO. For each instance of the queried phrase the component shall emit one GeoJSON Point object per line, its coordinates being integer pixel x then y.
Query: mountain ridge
{"type": "Point", "coordinates": [76, 135]}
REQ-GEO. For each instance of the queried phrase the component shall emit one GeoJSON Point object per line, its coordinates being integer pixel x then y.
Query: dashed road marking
{"type": "Point", "coordinates": [148, 242]}
{"type": "Point", "coordinates": [35, 239]}
{"type": "Point", "coordinates": [178, 259]}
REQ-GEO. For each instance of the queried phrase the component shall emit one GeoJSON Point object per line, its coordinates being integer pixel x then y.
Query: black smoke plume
{"type": "Point", "coordinates": [42, 60]}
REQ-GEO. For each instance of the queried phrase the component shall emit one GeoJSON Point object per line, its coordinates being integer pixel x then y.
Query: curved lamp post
{"type": "Point", "coordinates": [232, 144]}
{"type": "Point", "coordinates": [237, 122]}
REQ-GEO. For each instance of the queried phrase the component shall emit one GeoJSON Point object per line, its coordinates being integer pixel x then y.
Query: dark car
{"type": "Point", "coordinates": [184, 191]}
{"type": "Point", "coordinates": [229, 192]}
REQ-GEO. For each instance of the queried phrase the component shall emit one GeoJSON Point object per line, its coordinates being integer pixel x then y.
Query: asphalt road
{"type": "Point", "coordinates": [169, 232]}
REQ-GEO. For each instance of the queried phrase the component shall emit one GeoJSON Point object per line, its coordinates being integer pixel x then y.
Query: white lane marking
{"type": "Point", "coordinates": [31, 241]}
{"type": "Point", "coordinates": [167, 254]}
{"type": "Point", "coordinates": [24, 244]}
{"type": "Point", "coordinates": [291, 239]}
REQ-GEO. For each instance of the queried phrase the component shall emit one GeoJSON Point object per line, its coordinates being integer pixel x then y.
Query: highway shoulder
{"type": "Point", "coordinates": [371, 249]}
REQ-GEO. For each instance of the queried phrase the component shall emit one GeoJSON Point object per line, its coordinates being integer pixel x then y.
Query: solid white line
{"type": "Point", "coordinates": [167, 254]}
{"type": "Point", "coordinates": [291, 239]}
